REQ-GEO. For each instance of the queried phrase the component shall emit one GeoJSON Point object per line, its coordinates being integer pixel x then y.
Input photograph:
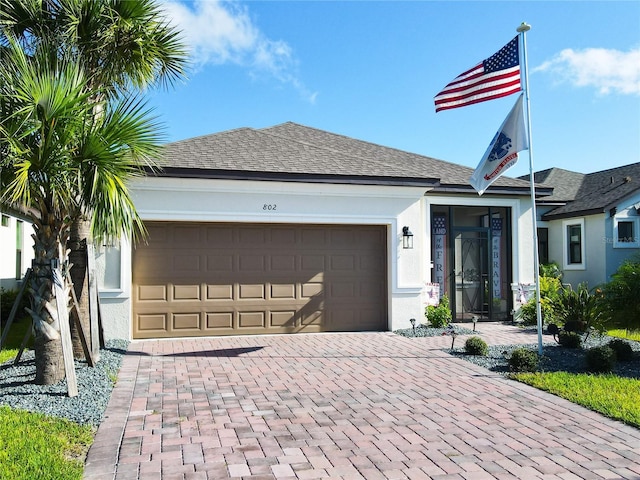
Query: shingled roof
{"type": "Point", "coordinates": [588, 194]}
{"type": "Point", "coordinates": [293, 152]}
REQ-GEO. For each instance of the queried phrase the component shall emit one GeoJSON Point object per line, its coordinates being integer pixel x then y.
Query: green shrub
{"type": "Point", "coordinates": [550, 270]}
{"type": "Point", "coordinates": [569, 339]}
{"type": "Point", "coordinates": [577, 326]}
{"type": "Point", "coordinates": [621, 295]}
{"type": "Point", "coordinates": [440, 316]}
{"type": "Point", "coordinates": [580, 309]}
{"type": "Point", "coordinates": [600, 359]}
{"type": "Point", "coordinates": [549, 288]}
{"type": "Point", "coordinates": [476, 346]}
{"type": "Point", "coordinates": [523, 360]}
{"type": "Point", "coordinates": [7, 299]}
{"type": "Point", "coordinates": [623, 349]}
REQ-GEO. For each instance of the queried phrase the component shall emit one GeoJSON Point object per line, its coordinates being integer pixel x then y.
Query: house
{"type": "Point", "coordinates": [293, 229]}
{"type": "Point", "coordinates": [16, 246]}
{"type": "Point", "coordinates": [591, 222]}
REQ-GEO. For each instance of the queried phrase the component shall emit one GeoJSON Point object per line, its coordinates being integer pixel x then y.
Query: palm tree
{"type": "Point", "coordinates": [122, 45]}
{"type": "Point", "coordinates": [61, 155]}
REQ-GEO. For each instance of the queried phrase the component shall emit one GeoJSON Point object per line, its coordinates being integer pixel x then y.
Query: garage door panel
{"type": "Point", "coordinates": [342, 290]}
{"type": "Point", "coordinates": [186, 292]}
{"type": "Point", "coordinates": [218, 279]}
{"type": "Point", "coordinates": [251, 292]}
{"type": "Point", "coordinates": [283, 291]}
{"type": "Point", "coordinates": [251, 320]}
{"type": "Point", "coordinates": [310, 290]}
{"type": "Point", "coordinates": [251, 263]}
{"type": "Point", "coordinates": [157, 234]}
{"type": "Point", "coordinates": [218, 320]}
{"type": "Point", "coordinates": [283, 236]}
{"type": "Point", "coordinates": [189, 264]}
{"type": "Point", "coordinates": [220, 263]}
{"type": "Point", "coordinates": [152, 293]}
{"type": "Point", "coordinates": [343, 239]}
{"type": "Point", "coordinates": [283, 263]}
{"type": "Point", "coordinates": [372, 264]}
{"type": "Point", "coordinates": [312, 237]}
{"type": "Point", "coordinates": [187, 234]}
{"type": "Point", "coordinates": [185, 321]}
{"type": "Point", "coordinates": [343, 262]}
{"type": "Point", "coordinates": [219, 236]}
{"type": "Point", "coordinates": [219, 292]}
{"type": "Point", "coordinates": [312, 263]}
{"type": "Point", "coordinates": [282, 319]}
{"type": "Point", "coordinates": [312, 318]}
{"type": "Point", "coordinates": [250, 237]}
{"type": "Point", "coordinates": [152, 323]}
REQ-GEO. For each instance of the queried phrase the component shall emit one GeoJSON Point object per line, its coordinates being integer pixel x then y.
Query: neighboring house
{"type": "Point", "coordinates": [16, 246]}
{"type": "Point", "coordinates": [591, 222]}
{"type": "Point", "coordinates": [292, 229]}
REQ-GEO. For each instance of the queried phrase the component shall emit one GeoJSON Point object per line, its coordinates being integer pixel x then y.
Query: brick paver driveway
{"type": "Point", "coordinates": [344, 406]}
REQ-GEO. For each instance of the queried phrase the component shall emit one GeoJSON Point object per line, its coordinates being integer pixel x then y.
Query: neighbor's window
{"type": "Point", "coordinates": [574, 234]}
{"type": "Point", "coordinates": [5, 220]}
{"type": "Point", "coordinates": [626, 234]}
{"type": "Point", "coordinates": [574, 244]}
{"type": "Point", "coordinates": [543, 245]}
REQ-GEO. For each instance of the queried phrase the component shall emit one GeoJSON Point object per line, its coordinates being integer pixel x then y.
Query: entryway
{"type": "Point", "coordinates": [472, 258]}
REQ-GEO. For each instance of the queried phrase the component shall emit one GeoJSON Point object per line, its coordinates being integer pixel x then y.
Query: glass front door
{"type": "Point", "coordinates": [471, 273]}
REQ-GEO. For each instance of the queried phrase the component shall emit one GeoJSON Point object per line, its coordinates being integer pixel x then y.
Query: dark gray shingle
{"type": "Point", "coordinates": [590, 193]}
{"type": "Point", "coordinates": [293, 149]}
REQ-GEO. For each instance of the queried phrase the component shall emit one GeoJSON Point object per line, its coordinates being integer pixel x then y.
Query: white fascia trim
{"type": "Point", "coordinates": [267, 187]}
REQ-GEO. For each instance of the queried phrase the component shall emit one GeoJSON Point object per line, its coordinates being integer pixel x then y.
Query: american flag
{"type": "Point", "coordinates": [495, 77]}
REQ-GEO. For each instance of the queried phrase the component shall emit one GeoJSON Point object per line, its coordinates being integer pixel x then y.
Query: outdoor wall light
{"type": "Point", "coordinates": [407, 238]}
{"type": "Point", "coordinates": [413, 325]}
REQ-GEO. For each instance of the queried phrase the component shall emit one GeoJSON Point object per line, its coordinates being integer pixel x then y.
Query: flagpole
{"type": "Point", "coordinates": [522, 29]}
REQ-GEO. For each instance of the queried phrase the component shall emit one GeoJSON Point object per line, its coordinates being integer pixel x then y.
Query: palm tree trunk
{"type": "Point", "coordinates": [78, 258]}
{"type": "Point", "coordinates": [49, 244]}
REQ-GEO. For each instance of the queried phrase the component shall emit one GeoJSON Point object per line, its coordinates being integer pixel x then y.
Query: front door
{"type": "Point", "coordinates": [471, 274]}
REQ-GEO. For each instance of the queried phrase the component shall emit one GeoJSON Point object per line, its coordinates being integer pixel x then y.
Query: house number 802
{"type": "Point", "coordinates": [269, 206]}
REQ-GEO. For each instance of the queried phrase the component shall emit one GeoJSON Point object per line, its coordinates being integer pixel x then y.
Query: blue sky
{"type": "Point", "coordinates": [370, 70]}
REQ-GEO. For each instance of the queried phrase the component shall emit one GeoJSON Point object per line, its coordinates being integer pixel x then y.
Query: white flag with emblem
{"type": "Point", "coordinates": [502, 153]}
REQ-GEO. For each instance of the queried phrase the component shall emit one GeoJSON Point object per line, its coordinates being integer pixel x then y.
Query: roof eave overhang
{"type": "Point", "coordinates": [493, 190]}
{"type": "Point", "coordinates": [577, 213]}
{"type": "Point", "coordinates": [176, 172]}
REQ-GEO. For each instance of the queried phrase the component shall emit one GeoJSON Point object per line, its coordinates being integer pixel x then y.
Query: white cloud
{"type": "Point", "coordinates": [220, 32]}
{"type": "Point", "coordinates": [609, 71]}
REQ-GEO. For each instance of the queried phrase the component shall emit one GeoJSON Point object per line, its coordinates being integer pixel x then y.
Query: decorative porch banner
{"type": "Point", "coordinates": [432, 294]}
{"type": "Point", "coordinates": [496, 233]}
{"type": "Point", "coordinates": [439, 232]}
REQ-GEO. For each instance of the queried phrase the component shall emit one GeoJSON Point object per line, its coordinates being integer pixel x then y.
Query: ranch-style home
{"type": "Point", "coordinates": [292, 229]}
{"type": "Point", "coordinates": [591, 223]}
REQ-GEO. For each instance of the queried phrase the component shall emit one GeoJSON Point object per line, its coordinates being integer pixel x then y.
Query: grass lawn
{"type": "Point", "coordinates": [628, 334]}
{"type": "Point", "coordinates": [8, 354]}
{"type": "Point", "coordinates": [612, 396]}
{"type": "Point", "coordinates": [33, 445]}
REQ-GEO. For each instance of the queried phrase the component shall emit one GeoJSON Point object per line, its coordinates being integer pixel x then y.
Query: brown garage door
{"type": "Point", "coordinates": [194, 279]}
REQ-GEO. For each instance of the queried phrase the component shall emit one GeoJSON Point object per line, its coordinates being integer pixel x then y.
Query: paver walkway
{"type": "Point", "coordinates": [344, 406]}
